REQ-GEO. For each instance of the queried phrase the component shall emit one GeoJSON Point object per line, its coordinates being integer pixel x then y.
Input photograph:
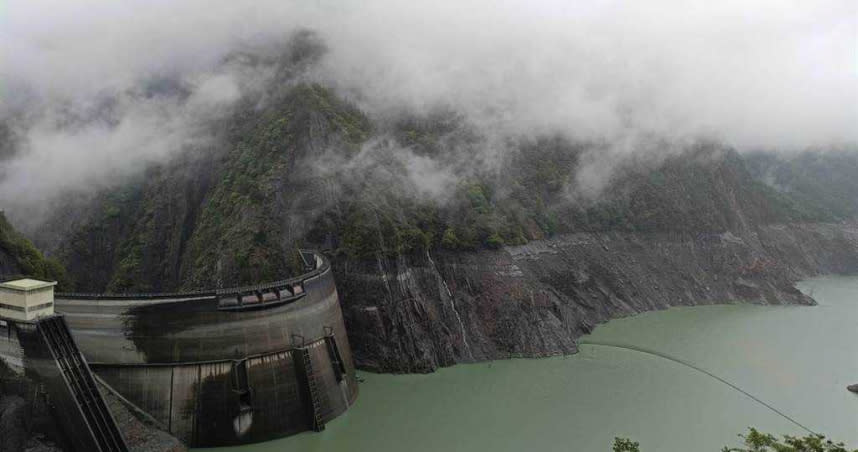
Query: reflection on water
{"type": "Point", "coordinates": [797, 359]}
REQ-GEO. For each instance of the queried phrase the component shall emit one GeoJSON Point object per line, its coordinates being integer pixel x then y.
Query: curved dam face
{"type": "Point", "coordinates": [229, 367]}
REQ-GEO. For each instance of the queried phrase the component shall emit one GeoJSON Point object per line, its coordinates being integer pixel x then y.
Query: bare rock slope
{"type": "Point", "coordinates": [416, 314]}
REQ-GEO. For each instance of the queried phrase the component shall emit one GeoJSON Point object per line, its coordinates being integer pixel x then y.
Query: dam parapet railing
{"type": "Point", "coordinates": [248, 297]}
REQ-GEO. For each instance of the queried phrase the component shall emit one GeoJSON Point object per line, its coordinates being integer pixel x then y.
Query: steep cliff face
{"type": "Point", "coordinates": [416, 314]}
{"type": "Point", "coordinates": [229, 214]}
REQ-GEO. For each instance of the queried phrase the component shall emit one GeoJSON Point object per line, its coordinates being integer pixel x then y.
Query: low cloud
{"type": "Point", "coordinates": [96, 91]}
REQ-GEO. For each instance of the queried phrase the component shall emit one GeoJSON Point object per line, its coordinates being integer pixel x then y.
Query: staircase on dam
{"type": "Point", "coordinates": [307, 379]}
{"type": "Point", "coordinates": [79, 387]}
{"type": "Point", "coordinates": [334, 353]}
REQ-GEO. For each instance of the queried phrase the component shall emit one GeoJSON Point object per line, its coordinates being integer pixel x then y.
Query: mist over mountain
{"type": "Point", "coordinates": [96, 93]}
{"type": "Point", "coordinates": [378, 127]}
{"type": "Point", "coordinates": [303, 167]}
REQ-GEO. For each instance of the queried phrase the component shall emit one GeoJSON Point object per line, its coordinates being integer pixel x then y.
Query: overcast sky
{"type": "Point", "coordinates": [779, 74]}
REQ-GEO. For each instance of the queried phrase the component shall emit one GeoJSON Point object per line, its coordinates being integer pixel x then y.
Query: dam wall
{"type": "Point", "coordinates": [226, 367]}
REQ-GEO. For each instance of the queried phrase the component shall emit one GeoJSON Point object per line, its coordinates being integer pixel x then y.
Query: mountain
{"type": "Point", "coordinates": [450, 244]}
{"type": "Point", "coordinates": [296, 173]}
{"type": "Point", "coordinates": [218, 216]}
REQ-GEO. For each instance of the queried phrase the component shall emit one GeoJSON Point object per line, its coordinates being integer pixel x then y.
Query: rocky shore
{"type": "Point", "coordinates": [418, 313]}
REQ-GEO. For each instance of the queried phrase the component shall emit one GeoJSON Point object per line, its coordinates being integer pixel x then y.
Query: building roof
{"type": "Point", "coordinates": [26, 284]}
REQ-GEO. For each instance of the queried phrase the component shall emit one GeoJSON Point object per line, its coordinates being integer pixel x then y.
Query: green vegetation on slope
{"type": "Point", "coordinates": [23, 259]}
{"type": "Point", "coordinates": [91, 249]}
{"type": "Point", "coordinates": [826, 183]}
{"type": "Point", "coordinates": [705, 190]}
{"type": "Point", "coordinates": [240, 231]}
{"type": "Point", "coordinates": [756, 441]}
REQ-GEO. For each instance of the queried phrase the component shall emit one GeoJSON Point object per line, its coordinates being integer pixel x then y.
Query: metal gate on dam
{"type": "Point", "coordinates": [232, 366]}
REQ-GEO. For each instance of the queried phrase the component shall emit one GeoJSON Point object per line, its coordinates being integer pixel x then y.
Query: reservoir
{"type": "Point", "coordinates": [798, 360]}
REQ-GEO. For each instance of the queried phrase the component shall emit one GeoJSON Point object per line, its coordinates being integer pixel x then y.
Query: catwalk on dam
{"type": "Point", "coordinates": [226, 367]}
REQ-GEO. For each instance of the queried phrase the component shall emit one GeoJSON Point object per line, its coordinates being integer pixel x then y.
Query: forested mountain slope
{"type": "Point", "coordinates": [18, 257]}
{"type": "Point", "coordinates": [310, 170]}
{"type": "Point", "coordinates": [451, 243]}
{"type": "Point", "coordinates": [825, 182]}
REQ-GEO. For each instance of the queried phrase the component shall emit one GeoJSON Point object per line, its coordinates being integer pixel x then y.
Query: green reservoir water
{"type": "Point", "coordinates": [797, 359]}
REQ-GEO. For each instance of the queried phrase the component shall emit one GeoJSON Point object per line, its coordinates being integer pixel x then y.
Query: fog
{"type": "Point", "coordinates": [779, 75]}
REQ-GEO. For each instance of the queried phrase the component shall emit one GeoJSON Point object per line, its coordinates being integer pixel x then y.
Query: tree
{"type": "Point", "coordinates": [449, 239]}
{"type": "Point", "coordinates": [756, 441]}
{"type": "Point", "coordinates": [625, 445]}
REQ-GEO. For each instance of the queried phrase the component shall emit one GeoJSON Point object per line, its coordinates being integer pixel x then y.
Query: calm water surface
{"type": "Point", "coordinates": [797, 359]}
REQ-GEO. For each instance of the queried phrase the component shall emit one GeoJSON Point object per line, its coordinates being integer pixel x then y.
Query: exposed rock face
{"type": "Point", "coordinates": [17, 434]}
{"type": "Point", "coordinates": [25, 423]}
{"type": "Point", "coordinates": [416, 314]}
{"type": "Point", "coordinates": [13, 426]}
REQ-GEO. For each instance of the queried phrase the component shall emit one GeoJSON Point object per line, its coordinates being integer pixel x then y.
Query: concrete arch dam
{"type": "Point", "coordinates": [225, 367]}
